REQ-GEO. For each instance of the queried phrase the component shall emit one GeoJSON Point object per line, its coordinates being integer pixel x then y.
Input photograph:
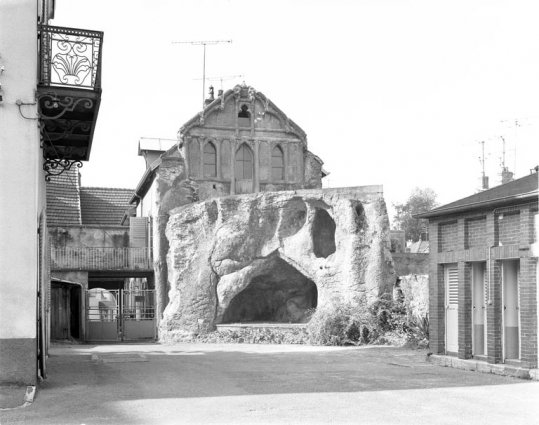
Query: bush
{"type": "Point", "coordinates": [343, 323]}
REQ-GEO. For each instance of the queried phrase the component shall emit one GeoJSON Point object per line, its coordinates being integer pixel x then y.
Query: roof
{"type": "Point", "coordinates": [244, 92]}
{"type": "Point", "coordinates": [153, 144]}
{"type": "Point", "coordinates": [63, 199]}
{"type": "Point", "coordinates": [419, 247]}
{"type": "Point", "coordinates": [104, 206]}
{"type": "Point", "coordinates": [517, 191]}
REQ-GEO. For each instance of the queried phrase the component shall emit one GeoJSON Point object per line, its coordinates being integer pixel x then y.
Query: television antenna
{"type": "Point", "coordinates": [228, 77]}
{"type": "Point", "coordinates": [203, 43]}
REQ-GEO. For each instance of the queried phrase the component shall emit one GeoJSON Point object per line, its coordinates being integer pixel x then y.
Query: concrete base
{"type": "Point", "coordinates": [18, 361]}
{"type": "Point", "coordinates": [258, 325]}
{"type": "Point", "coordinates": [481, 366]}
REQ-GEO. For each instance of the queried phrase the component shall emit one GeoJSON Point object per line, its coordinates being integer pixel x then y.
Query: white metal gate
{"type": "Point", "coordinates": [120, 315]}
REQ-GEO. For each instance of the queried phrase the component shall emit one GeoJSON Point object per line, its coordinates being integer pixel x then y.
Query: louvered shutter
{"type": "Point", "coordinates": [138, 232]}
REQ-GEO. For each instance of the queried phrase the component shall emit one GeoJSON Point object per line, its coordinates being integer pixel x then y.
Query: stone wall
{"type": "Point", "coordinates": [271, 256]}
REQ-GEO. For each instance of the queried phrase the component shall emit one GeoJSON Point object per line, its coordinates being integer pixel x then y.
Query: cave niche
{"type": "Point", "coordinates": [281, 294]}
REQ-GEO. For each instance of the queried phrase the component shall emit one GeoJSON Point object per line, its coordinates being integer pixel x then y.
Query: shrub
{"type": "Point", "coordinates": [342, 323]}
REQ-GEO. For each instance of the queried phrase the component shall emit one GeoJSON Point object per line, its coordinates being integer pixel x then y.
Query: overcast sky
{"type": "Point", "coordinates": [398, 93]}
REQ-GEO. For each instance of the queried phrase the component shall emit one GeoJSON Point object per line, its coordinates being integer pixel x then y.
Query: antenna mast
{"type": "Point", "coordinates": [484, 179]}
{"type": "Point", "coordinates": [228, 77]}
{"type": "Point", "coordinates": [203, 43]}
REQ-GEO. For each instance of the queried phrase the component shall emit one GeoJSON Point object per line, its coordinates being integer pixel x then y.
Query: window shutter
{"type": "Point", "coordinates": [138, 232]}
{"type": "Point", "coordinates": [453, 285]}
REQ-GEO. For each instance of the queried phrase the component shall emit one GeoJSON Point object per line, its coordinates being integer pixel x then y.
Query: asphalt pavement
{"type": "Point", "coordinates": [251, 384]}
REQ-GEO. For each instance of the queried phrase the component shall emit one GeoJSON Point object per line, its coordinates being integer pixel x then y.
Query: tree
{"type": "Point", "coordinates": [420, 200]}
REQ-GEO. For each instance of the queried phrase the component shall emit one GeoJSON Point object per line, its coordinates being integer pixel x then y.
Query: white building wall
{"type": "Point", "coordinates": [21, 191]}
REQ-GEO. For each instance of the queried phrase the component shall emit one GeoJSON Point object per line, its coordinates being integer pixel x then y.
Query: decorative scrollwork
{"type": "Point", "coordinates": [55, 167]}
{"type": "Point", "coordinates": [51, 102]}
{"type": "Point", "coordinates": [73, 54]}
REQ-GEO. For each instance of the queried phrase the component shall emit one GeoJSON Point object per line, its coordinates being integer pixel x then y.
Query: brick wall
{"type": "Point", "coordinates": [476, 232]}
{"type": "Point", "coordinates": [448, 236]}
{"type": "Point", "coordinates": [465, 310]}
{"type": "Point", "coordinates": [509, 228]}
{"type": "Point", "coordinates": [494, 315]}
{"type": "Point", "coordinates": [528, 311]}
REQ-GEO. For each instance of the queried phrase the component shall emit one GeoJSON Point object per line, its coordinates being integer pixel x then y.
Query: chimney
{"type": "Point", "coordinates": [211, 98]}
{"type": "Point", "coordinates": [507, 176]}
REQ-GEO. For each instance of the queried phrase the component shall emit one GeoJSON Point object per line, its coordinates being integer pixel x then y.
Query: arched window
{"type": "Point", "coordinates": [210, 160]}
{"type": "Point", "coordinates": [244, 163]}
{"type": "Point", "coordinates": [277, 164]}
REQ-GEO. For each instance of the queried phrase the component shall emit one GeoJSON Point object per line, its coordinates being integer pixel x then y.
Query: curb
{"type": "Point", "coordinates": [480, 366]}
{"type": "Point", "coordinates": [28, 399]}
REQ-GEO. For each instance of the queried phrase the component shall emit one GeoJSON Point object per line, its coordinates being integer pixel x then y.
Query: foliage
{"type": "Point", "coordinates": [420, 200]}
{"type": "Point", "coordinates": [396, 246]}
{"type": "Point", "coordinates": [339, 323]}
{"type": "Point", "coordinates": [342, 323]}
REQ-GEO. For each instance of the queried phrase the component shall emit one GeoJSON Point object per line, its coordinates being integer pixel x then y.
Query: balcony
{"type": "Point", "coordinates": [102, 259]}
{"type": "Point", "coordinates": [69, 94]}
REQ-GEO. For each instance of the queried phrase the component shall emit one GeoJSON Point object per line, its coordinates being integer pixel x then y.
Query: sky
{"type": "Point", "coordinates": [398, 93]}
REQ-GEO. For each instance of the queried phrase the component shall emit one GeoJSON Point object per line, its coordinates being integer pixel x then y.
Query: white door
{"type": "Point", "coordinates": [479, 311]}
{"type": "Point", "coordinates": [510, 305]}
{"type": "Point", "coordinates": [451, 308]}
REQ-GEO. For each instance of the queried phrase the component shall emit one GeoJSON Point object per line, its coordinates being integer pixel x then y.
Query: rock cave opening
{"type": "Point", "coordinates": [281, 294]}
{"type": "Point", "coordinates": [323, 234]}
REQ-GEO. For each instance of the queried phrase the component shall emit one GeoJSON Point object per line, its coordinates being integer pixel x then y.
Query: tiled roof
{"type": "Point", "coordinates": [103, 205]}
{"type": "Point", "coordinates": [515, 191]}
{"type": "Point", "coordinates": [63, 199]}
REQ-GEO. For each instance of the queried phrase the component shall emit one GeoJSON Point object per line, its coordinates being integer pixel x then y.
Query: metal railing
{"type": "Point", "coordinates": [101, 259]}
{"type": "Point", "coordinates": [70, 57]}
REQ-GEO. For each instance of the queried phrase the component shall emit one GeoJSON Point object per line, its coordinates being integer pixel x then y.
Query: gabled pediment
{"type": "Point", "coordinates": [244, 111]}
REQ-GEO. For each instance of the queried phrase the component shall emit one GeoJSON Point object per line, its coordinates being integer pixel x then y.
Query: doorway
{"type": "Point", "coordinates": [511, 309]}
{"type": "Point", "coordinates": [244, 170]}
{"type": "Point", "coordinates": [479, 310]}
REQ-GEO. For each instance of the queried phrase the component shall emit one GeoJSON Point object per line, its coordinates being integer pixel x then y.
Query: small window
{"type": "Point", "coordinates": [210, 160]}
{"type": "Point", "coordinates": [277, 164]}
{"type": "Point", "coordinates": [244, 117]}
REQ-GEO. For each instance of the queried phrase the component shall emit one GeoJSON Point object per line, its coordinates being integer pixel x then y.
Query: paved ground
{"type": "Point", "coordinates": [245, 384]}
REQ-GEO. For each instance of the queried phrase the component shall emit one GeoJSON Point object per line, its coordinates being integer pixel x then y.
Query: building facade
{"type": "Point", "coordinates": [483, 275]}
{"type": "Point", "coordinates": [48, 114]}
{"type": "Point", "coordinates": [240, 143]}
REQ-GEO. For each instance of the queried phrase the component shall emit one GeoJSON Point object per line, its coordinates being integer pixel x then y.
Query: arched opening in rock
{"type": "Point", "coordinates": [323, 233]}
{"type": "Point", "coordinates": [281, 294]}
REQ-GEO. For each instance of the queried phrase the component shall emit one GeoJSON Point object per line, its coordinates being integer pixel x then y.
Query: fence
{"type": "Point", "coordinates": [101, 259]}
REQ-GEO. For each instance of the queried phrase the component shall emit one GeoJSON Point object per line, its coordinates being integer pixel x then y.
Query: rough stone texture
{"type": "Point", "coordinates": [271, 256]}
{"type": "Point", "coordinates": [415, 289]}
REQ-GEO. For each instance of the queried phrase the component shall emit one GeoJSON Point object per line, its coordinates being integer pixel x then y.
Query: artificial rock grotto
{"type": "Point", "coordinates": [272, 256]}
{"type": "Point", "coordinates": [242, 229]}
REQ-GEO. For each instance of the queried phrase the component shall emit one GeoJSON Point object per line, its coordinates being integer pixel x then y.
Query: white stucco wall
{"type": "Point", "coordinates": [21, 176]}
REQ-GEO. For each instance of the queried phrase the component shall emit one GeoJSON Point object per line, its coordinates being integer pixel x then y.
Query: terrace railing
{"type": "Point", "coordinates": [70, 57]}
{"type": "Point", "coordinates": [101, 259]}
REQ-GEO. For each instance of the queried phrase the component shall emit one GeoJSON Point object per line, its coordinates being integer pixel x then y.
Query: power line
{"type": "Point", "coordinates": [203, 43]}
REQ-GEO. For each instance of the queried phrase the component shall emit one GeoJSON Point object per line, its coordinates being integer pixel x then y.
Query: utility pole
{"type": "Point", "coordinates": [203, 43]}
{"type": "Point", "coordinates": [228, 77]}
